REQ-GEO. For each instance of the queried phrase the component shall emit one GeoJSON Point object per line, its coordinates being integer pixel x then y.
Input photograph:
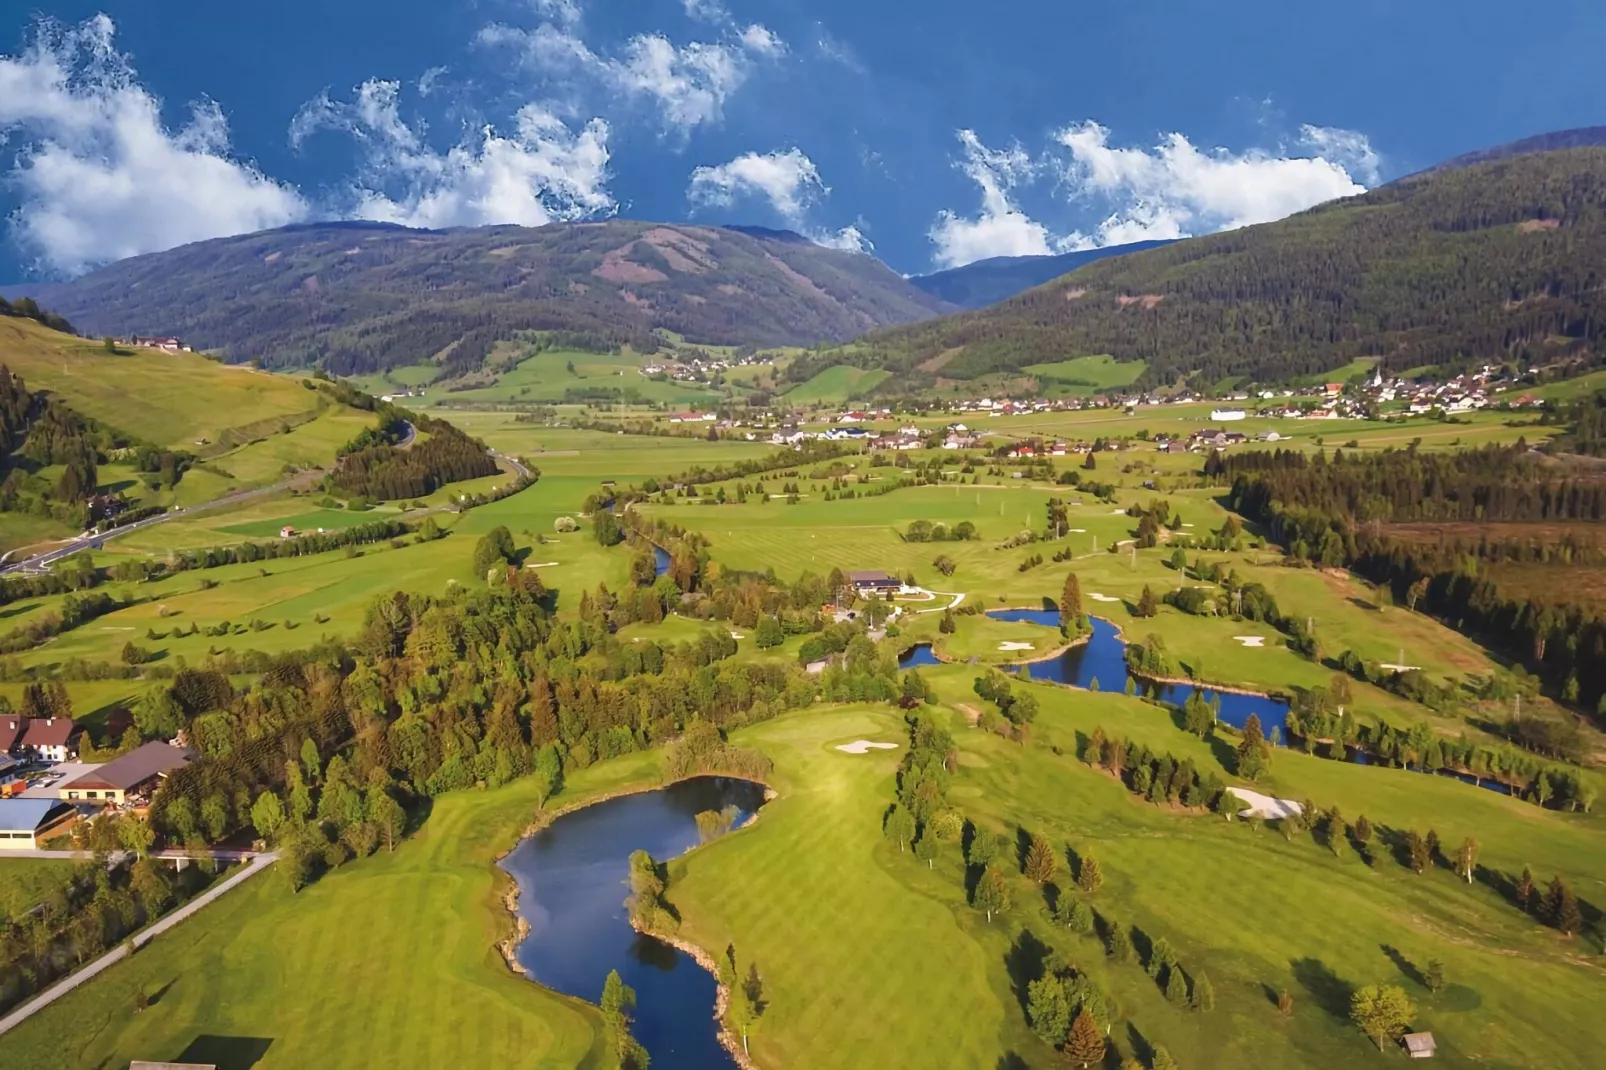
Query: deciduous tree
{"type": "Point", "coordinates": [992, 893]}
{"type": "Point", "coordinates": [1383, 1012]}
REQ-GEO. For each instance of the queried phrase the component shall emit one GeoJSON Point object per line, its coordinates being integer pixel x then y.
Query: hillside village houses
{"type": "Point", "coordinates": [44, 739]}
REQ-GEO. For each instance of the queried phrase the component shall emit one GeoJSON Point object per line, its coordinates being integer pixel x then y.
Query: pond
{"type": "Point", "coordinates": [573, 880]}
{"type": "Point", "coordinates": [1103, 658]}
{"type": "Point", "coordinates": [660, 560]}
{"type": "Point", "coordinates": [917, 655]}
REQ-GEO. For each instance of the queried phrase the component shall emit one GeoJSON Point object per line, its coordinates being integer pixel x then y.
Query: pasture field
{"type": "Point", "coordinates": [1087, 375]}
{"type": "Point", "coordinates": [871, 959]}
{"type": "Point", "coordinates": [168, 399]}
{"type": "Point", "coordinates": [409, 936]}
{"type": "Point", "coordinates": [835, 385]}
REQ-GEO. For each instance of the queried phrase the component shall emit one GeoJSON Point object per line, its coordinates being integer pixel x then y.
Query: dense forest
{"type": "Point", "coordinates": [1486, 264]}
{"type": "Point", "coordinates": [356, 298]}
{"type": "Point", "coordinates": [379, 471]}
{"type": "Point", "coordinates": [1368, 512]}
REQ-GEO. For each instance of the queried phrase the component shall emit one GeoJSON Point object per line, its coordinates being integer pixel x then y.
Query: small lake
{"type": "Point", "coordinates": [573, 880]}
{"type": "Point", "coordinates": [917, 655]}
{"type": "Point", "coordinates": [660, 560]}
{"type": "Point", "coordinates": [1103, 658]}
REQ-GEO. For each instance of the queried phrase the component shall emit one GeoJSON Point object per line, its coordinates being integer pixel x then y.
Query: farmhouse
{"type": "Point", "coordinates": [874, 582]}
{"type": "Point", "coordinates": [24, 823]}
{"type": "Point", "coordinates": [133, 776]}
{"type": "Point", "coordinates": [48, 739]}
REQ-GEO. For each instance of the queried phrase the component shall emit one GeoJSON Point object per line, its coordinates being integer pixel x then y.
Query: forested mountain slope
{"type": "Point", "coordinates": [358, 297]}
{"type": "Point", "coordinates": [1493, 262]}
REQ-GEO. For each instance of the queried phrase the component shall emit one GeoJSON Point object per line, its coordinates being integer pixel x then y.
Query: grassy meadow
{"type": "Point", "coordinates": [870, 959]}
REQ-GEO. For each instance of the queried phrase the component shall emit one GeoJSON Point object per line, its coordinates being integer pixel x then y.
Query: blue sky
{"type": "Point", "coordinates": [933, 133]}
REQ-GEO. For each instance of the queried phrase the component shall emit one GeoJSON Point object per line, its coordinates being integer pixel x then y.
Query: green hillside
{"type": "Point", "coordinates": [1491, 263]}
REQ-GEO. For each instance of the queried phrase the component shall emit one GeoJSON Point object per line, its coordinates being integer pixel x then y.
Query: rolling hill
{"type": "Point", "coordinates": [362, 297]}
{"type": "Point", "coordinates": [1494, 262]}
{"type": "Point", "coordinates": [998, 278]}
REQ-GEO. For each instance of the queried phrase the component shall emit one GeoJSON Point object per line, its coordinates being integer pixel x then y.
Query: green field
{"type": "Point", "coordinates": [872, 960]}
{"type": "Point", "coordinates": [316, 520]}
{"type": "Point", "coordinates": [835, 385]}
{"type": "Point", "coordinates": [1087, 375]}
{"type": "Point", "coordinates": [407, 936]}
{"type": "Point", "coordinates": [27, 882]}
{"type": "Point", "coordinates": [168, 399]}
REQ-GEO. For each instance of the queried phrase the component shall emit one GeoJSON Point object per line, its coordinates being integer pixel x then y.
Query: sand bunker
{"type": "Point", "coordinates": [1398, 668]}
{"type": "Point", "coordinates": [1264, 805]}
{"type": "Point", "coordinates": [1016, 646]}
{"type": "Point", "coordinates": [1078, 531]}
{"type": "Point", "coordinates": [864, 746]}
{"type": "Point", "coordinates": [737, 635]}
{"type": "Point", "coordinates": [540, 564]}
{"type": "Point", "coordinates": [1251, 640]}
{"type": "Point", "coordinates": [1103, 598]}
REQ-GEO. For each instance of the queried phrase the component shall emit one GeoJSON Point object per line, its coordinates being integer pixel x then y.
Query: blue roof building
{"type": "Point", "coordinates": [25, 822]}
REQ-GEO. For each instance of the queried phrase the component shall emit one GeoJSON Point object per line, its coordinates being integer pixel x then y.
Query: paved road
{"type": "Point", "coordinates": [511, 462]}
{"type": "Point", "coordinates": [117, 954]}
{"type": "Point", "coordinates": [221, 854]}
{"type": "Point", "coordinates": [41, 562]}
{"type": "Point", "coordinates": [410, 437]}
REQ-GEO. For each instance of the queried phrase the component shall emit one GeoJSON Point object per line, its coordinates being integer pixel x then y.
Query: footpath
{"type": "Point", "coordinates": [143, 937]}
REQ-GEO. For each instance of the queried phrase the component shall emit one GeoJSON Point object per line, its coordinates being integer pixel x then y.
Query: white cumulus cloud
{"type": "Point", "coordinates": [761, 40]}
{"type": "Point", "coordinates": [100, 176]}
{"type": "Point", "coordinates": [1001, 228]}
{"type": "Point", "coordinates": [688, 84]}
{"type": "Point", "coordinates": [537, 172]}
{"type": "Point", "coordinates": [850, 239]}
{"type": "Point", "coordinates": [1172, 190]}
{"type": "Point", "coordinates": [788, 180]}
{"type": "Point", "coordinates": [1177, 190]}
{"type": "Point", "coordinates": [706, 10]}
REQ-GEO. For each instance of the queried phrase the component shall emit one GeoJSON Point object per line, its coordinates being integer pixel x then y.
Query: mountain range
{"type": "Point", "coordinates": [1484, 263]}
{"type": "Point", "coordinates": [998, 278]}
{"type": "Point", "coordinates": [361, 297]}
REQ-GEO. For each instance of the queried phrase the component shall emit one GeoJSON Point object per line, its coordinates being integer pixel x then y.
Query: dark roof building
{"type": "Point", "coordinates": [136, 772]}
{"type": "Point", "coordinates": [874, 580]}
{"type": "Point", "coordinates": [51, 738]}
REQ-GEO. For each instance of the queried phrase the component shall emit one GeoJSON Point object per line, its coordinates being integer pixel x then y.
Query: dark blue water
{"type": "Point", "coordinates": [660, 559]}
{"type": "Point", "coordinates": [919, 654]}
{"type": "Point", "coordinates": [573, 880]}
{"type": "Point", "coordinates": [1103, 658]}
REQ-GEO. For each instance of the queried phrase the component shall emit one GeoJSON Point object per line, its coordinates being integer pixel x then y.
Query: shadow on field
{"type": "Point", "coordinates": [1328, 991]}
{"type": "Point", "coordinates": [226, 1053]}
{"type": "Point", "coordinates": [1025, 963]}
{"type": "Point", "coordinates": [1404, 965]}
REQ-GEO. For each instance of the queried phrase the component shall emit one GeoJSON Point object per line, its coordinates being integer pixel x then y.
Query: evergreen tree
{"type": "Point", "coordinates": [1085, 1044]}
{"type": "Point", "coordinates": [1040, 861]}
{"type": "Point", "coordinates": [1176, 986]}
{"type": "Point", "coordinates": [1148, 605]}
{"type": "Point", "coordinates": [1203, 997]}
{"type": "Point", "coordinates": [1285, 1003]}
{"type": "Point", "coordinates": [1048, 1010]}
{"type": "Point", "coordinates": [1071, 604]}
{"type": "Point", "coordinates": [1119, 943]}
{"type": "Point", "coordinates": [1088, 876]}
{"type": "Point", "coordinates": [1561, 908]}
{"type": "Point", "coordinates": [992, 894]}
{"type": "Point", "coordinates": [1252, 750]}
{"type": "Point", "coordinates": [1080, 918]}
{"type": "Point", "coordinates": [1527, 890]}
{"type": "Point", "coordinates": [1435, 976]}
